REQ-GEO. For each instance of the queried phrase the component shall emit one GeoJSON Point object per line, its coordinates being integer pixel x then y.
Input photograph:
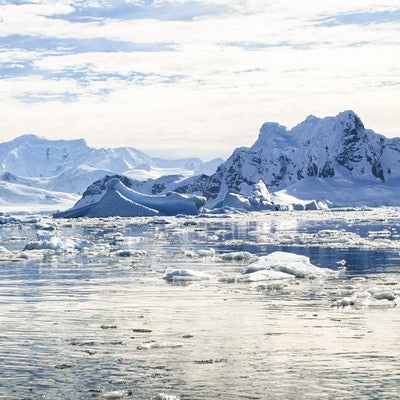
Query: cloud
{"type": "Point", "coordinates": [361, 18]}
{"type": "Point", "coordinates": [128, 10]}
{"type": "Point", "coordinates": [55, 45]}
{"type": "Point", "coordinates": [193, 77]}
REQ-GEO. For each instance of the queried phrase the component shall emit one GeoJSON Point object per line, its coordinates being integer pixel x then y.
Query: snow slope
{"type": "Point", "coordinates": [18, 197]}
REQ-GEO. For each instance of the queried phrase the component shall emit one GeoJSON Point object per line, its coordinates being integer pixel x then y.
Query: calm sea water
{"type": "Point", "coordinates": [87, 323]}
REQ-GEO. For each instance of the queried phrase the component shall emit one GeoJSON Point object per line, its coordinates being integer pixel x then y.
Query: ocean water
{"type": "Point", "coordinates": [88, 315]}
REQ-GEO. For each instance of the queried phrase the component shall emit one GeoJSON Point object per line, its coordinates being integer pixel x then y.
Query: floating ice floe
{"type": "Point", "coordinates": [201, 253]}
{"type": "Point", "coordinates": [369, 298]}
{"type": "Point", "coordinates": [184, 275]}
{"type": "Point", "coordinates": [6, 219]}
{"type": "Point", "coordinates": [158, 345]}
{"type": "Point", "coordinates": [264, 275]}
{"type": "Point", "coordinates": [240, 256]}
{"type": "Point", "coordinates": [49, 241]}
{"type": "Point", "coordinates": [292, 265]}
{"type": "Point", "coordinates": [164, 396]}
{"type": "Point", "coordinates": [129, 253]}
{"type": "Point", "coordinates": [116, 394]}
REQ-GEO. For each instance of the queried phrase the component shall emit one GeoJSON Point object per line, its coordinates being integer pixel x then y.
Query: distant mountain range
{"type": "Point", "coordinates": [71, 165]}
{"type": "Point", "coordinates": [334, 161]}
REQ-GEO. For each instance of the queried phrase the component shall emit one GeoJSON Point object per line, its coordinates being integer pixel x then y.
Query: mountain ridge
{"type": "Point", "coordinates": [71, 165]}
{"type": "Point", "coordinates": [336, 148]}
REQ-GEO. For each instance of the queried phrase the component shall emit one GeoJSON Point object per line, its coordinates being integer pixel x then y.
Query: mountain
{"type": "Point", "coordinates": [333, 159]}
{"type": "Point", "coordinates": [71, 165]}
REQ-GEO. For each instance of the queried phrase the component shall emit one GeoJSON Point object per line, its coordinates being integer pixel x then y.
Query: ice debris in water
{"type": "Point", "coordinates": [289, 264]}
{"type": "Point", "coordinates": [49, 241]}
{"type": "Point", "coordinates": [201, 253]}
{"type": "Point", "coordinates": [184, 275]}
{"type": "Point", "coordinates": [116, 394]}
{"type": "Point", "coordinates": [4, 250]}
{"type": "Point", "coordinates": [240, 256]}
{"type": "Point", "coordinates": [264, 275]}
{"type": "Point", "coordinates": [130, 253]}
{"type": "Point", "coordinates": [6, 219]}
{"type": "Point", "coordinates": [164, 396]}
{"type": "Point", "coordinates": [158, 345]}
{"type": "Point", "coordinates": [372, 297]}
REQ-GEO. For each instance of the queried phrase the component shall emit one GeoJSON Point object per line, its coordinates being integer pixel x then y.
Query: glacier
{"type": "Point", "coordinates": [119, 200]}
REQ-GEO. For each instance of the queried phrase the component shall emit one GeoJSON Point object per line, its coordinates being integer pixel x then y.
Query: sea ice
{"type": "Point", "coordinates": [158, 345]}
{"type": "Point", "coordinates": [184, 275]}
{"type": "Point", "coordinates": [240, 256]}
{"type": "Point", "coordinates": [49, 241]}
{"type": "Point", "coordinates": [291, 264]}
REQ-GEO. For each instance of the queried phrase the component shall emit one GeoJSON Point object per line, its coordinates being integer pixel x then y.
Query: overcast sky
{"type": "Point", "coordinates": [180, 78]}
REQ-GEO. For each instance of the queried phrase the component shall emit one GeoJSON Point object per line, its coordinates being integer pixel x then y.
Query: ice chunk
{"type": "Point", "coordinates": [201, 253]}
{"type": "Point", "coordinates": [164, 396]}
{"type": "Point", "coordinates": [241, 256]}
{"type": "Point", "coordinates": [372, 298]}
{"type": "Point", "coordinates": [130, 253]}
{"type": "Point", "coordinates": [116, 394]}
{"type": "Point", "coordinates": [264, 275]}
{"type": "Point", "coordinates": [158, 345]}
{"type": "Point", "coordinates": [182, 275]}
{"type": "Point", "coordinates": [289, 263]}
{"type": "Point", "coordinates": [49, 241]}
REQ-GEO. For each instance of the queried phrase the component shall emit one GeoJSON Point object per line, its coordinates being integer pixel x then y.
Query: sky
{"type": "Point", "coordinates": [177, 78]}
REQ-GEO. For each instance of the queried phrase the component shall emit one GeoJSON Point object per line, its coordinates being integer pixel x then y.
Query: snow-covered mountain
{"type": "Point", "coordinates": [333, 159]}
{"type": "Point", "coordinates": [71, 165]}
{"type": "Point", "coordinates": [330, 161]}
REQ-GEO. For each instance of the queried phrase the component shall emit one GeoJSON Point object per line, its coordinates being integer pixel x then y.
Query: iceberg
{"type": "Point", "coordinates": [120, 201]}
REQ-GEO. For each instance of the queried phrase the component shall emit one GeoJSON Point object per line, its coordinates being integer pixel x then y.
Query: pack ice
{"type": "Point", "coordinates": [119, 200]}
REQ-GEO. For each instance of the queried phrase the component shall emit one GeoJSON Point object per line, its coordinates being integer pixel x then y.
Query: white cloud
{"type": "Point", "coordinates": [211, 93]}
